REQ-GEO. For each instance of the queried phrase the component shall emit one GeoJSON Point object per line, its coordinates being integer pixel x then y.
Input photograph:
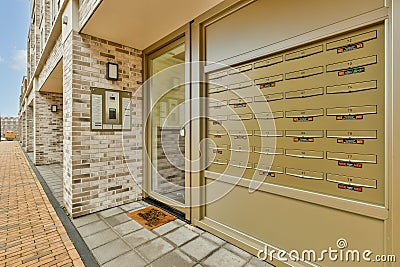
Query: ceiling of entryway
{"type": "Point", "coordinates": [138, 23]}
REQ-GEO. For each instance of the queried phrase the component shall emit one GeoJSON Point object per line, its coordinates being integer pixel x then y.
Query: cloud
{"type": "Point", "coordinates": [18, 60]}
{"type": "Point", "coordinates": [1, 59]}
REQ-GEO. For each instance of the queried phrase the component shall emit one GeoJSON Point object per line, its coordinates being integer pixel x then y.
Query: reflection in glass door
{"type": "Point", "coordinates": [167, 125]}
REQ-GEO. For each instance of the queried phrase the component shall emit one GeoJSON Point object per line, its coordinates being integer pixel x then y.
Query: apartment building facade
{"type": "Point", "coordinates": [9, 124]}
{"type": "Point", "coordinates": [268, 123]}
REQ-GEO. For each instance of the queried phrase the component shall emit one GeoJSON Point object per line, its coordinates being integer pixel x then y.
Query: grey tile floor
{"type": "Point", "coordinates": [117, 240]}
{"type": "Point", "coordinates": [53, 176]}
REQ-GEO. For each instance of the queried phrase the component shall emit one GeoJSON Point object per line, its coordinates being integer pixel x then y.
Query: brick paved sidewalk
{"type": "Point", "coordinates": [31, 234]}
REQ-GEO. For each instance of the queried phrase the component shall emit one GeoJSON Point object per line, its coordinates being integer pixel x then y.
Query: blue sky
{"type": "Point", "coordinates": [14, 24]}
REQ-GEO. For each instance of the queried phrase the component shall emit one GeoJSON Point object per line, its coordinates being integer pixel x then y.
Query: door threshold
{"type": "Point", "coordinates": [180, 215]}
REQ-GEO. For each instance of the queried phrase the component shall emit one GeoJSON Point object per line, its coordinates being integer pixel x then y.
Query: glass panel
{"type": "Point", "coordinates": [167, 121]}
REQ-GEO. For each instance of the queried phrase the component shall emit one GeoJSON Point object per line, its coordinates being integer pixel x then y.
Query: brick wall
{"type": "Point", "coordinates": [41, 16]}
{"type": "Point", "coordinates": [29, 129]}
{"type": "Point", "coordinates": [96, 176]}
{"type": "Point", "coordinates": [48, 128]}
{"type": "Point", "coordinates": [67, 126]}
{"type": "Point", "coordinates": [86, 9]}
{"type": "Point", "coordinates": [21, 128]}
{"type": "Point", "coordinates": [31, 51]}
{"type": "Point", "coordinates": [23, 133]}
{"type": "Point", "coordinates": [171, 179]}
{"type": "Point", "coordinates": [47, 18]}
{"type": "Point", "coordinates": [133, 139]}
{"type": "Point", "coordinates": [36, 36]}
{"type": "Point", "coordinates": [28, 56]}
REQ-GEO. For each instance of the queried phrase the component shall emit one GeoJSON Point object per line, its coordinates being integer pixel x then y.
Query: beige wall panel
{"type": "Point", "coordinates": [290, 224]}
{"type": "Point", "coordinates": [263, 23]}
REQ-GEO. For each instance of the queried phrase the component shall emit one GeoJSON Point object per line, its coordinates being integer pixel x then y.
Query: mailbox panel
{"type": "Point", "coordinates": [310, 118]}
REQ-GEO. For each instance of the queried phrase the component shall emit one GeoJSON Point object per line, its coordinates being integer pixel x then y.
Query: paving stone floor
{"type": "Point", "coordinates": [52, 174]}
{"type": "Point", "coordinates": [53, 180]}
{"type": "Point", "coordinates": [117, 240]}
{"type": "Point", "coordinates": [31, 234]}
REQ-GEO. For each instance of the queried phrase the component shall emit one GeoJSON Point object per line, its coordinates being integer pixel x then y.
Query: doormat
{"type": "Point", "coordinates": [151, 217]}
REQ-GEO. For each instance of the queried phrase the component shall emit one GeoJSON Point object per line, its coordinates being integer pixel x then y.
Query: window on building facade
{"type": "Point", "coordinates": [33, 27]}
{"type": "Point", "coordinates": [42, 39]}
{"type": "Point", "coordinates": [42, 7]}
{"type": "Point", "coordinates": [33, 17]}
{"type": "Point", "coordinates": [53, 11]}
{"type": "Point", "coordinates": [55, 7]}
{"type": "Point", "coordinates": [28, 55]}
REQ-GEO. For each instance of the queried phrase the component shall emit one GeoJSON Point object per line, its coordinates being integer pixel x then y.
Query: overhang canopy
{"type": "Point", "coordinates": [54, 83]}
{"type": "Point", "coordinates": [138, 23]}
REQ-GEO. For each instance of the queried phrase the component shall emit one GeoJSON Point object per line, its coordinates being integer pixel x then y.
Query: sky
{"type": "Point", "coordinates": [14, 24]}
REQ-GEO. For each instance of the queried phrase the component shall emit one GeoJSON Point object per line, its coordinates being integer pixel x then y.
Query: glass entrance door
{"type": "Point", "coordinates": [167, 130]}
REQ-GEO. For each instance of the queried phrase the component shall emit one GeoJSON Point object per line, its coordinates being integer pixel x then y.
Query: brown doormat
{"type": "Point", "coordinates": [151, 217]}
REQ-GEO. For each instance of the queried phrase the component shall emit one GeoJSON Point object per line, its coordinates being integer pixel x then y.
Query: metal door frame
{"type": "Point", "coordinates": [182, 35]}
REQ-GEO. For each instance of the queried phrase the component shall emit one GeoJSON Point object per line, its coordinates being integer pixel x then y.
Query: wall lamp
{"type": "Point", "coordinates": [112, 71]}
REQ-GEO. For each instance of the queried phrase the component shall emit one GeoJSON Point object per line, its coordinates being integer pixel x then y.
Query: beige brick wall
{"type": "Point", "coordinates": [48, 145]}
{"type": "Point", "coordinates": [86, 9]}
{"type": "Point", "coordinates": [36, 35]}
{"type": "Point", "coordinates": [173, 177]}
{"type": "Point", "coordinates": [47, 18]}
{"type": "Point", "coordinates": [96, 176]}
{"type": "Point", "coordinates": [40, 18]}
{"type": "Point", "coordinates": [67, 126]}
{"type": "Point", "coordinates": [29, 129]}
{"type": "Point", "coordinates": [23, 133]}
{"type": "Point", "coordinates": [21, 128]}
{"type": "Point", "coordinates": [31, 51]}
